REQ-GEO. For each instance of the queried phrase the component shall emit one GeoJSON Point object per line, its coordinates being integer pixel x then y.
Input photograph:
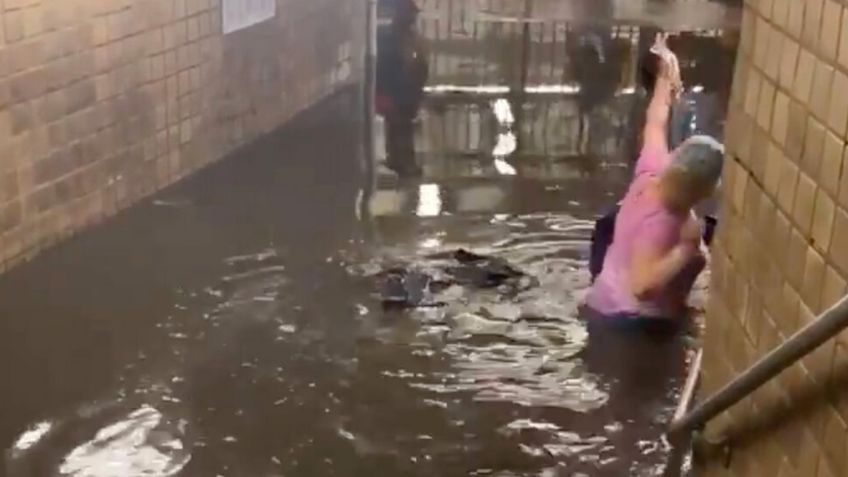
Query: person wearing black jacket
{"type": "Point", "coordinates": [402, 71]}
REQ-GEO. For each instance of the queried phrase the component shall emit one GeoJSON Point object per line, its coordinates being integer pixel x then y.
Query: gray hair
{"type": "Point", "coordinates": [700, 159]}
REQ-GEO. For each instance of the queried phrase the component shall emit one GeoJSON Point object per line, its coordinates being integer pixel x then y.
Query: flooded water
{"type": "Point", "coordinates": [234, 325]}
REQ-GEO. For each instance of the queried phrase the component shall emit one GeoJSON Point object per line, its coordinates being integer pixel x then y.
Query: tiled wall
{"type": "Point", "coordinates": [782, 253]}
{"type": "Point", "coordinates": [103, 102]}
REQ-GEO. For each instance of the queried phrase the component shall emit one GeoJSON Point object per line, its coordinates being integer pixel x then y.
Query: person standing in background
{"type": "Point", "coordinates": [402, 71]}
{"type": "Point", "coordinates": [596, 63]}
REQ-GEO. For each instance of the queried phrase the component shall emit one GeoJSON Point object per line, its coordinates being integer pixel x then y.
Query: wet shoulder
{"type": "Point", "coordinates": [652, 161]}
{"type": "Point", "coordinates": [640, 208]}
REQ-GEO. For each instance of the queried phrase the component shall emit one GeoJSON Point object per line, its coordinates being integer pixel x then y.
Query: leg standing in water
{"type": "Point", "coordinates": [639, 365]}
{"type": "Point", "coordinates": [656, 252]}
{"type": "Point", "coordinates": [402, 71]}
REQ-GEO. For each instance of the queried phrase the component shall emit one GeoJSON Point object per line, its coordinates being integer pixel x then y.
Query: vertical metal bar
{"type": "Point", "coordinates": [484, 53]}
{"type": "Point", "coordinates": [525, 47]}
{"type": "Point", "coordinates": [688, 394]}
{"type": "Point", "coordinates": [520, 95]}
{"type": "Point", "coordinates": [450, 18]}
{"type": "Point", "coordinates": [681, 444]}
{"type": "Point", "coordinates": [369, 92]}
{"type": "Point", "coordinates": [551, 49]}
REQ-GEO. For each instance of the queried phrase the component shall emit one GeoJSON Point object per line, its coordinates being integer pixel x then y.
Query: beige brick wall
{"type": "Point", "coordinates": [781, 255]}
{"type": "Point", "coordinates": [103, 102]}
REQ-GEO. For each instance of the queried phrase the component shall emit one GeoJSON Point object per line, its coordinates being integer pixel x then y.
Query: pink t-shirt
{"type": "Point", "coordinates": [642, 221]}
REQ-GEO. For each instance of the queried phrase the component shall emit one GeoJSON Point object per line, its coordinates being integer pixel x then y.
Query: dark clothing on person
{"type": "Point", "coordinates": [401, 72]}
{"type": "Point", "coordinates": [401, 76]}
{"type": "Point", "coordinates": [400, 145]}
{"type": "Point", "coordinates": [602, 326]}
{"type": "Point", "coordinates": [597, 73]}
{"type": "Point", "coordinates": [636, 361]}
{"type": "Point", "coordinates": [601, 239]}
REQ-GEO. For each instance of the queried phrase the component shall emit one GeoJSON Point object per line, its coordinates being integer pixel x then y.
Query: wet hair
{"type": "Point", "coordinates": [698, 161]}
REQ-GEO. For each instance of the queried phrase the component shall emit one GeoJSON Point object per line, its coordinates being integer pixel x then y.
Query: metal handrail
{"type": "Point", "coordinates": [826, 326]}
{"type": "Point", "coordinates": [688, 394]}
{"type": "Point", "coordinates": [681, 443]}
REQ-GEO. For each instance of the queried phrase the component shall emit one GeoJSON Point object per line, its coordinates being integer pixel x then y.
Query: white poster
{"type": "Point", "coordinates": [240, 14]}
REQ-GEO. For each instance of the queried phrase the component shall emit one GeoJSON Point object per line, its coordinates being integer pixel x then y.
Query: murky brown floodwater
{"type": "Point", "coordinates": [230, 326]}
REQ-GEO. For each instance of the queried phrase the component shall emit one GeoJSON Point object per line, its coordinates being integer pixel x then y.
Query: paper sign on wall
{"type": "Point", "coordinates": [240, 14]}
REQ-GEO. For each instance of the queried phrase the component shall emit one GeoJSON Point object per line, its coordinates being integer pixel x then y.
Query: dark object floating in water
{"type": "Point", "coordinates": [401, 287]}
{"type": "Point", "coordinates": [482, 271]}
{"type": "Point", "coordinates": [605, 229]}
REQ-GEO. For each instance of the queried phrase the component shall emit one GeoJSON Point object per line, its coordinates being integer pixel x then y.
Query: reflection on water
{"type": "Point", "coordinates": [515, 348]}
{"type": "Point", "coordinates": [140, 442]}
{"type": "Point", "coordinates": [233, 326]}
{"type": "Point", "coordinates": [429, 201]}
{"type": "Point", "coordinates": [136, 445]}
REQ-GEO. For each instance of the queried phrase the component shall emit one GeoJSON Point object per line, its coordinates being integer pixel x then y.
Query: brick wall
{"type": "Point", "coordinates": [781, 256]}
{"type": "Point", "coordinates": [103, 102]}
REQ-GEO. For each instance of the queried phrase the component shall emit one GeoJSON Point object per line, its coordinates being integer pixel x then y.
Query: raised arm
{"type": "Point", "coordinates": [655, 134]}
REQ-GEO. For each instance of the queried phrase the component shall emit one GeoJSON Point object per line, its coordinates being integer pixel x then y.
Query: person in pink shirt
{"type": "Point", "coordinates": [656, 252]}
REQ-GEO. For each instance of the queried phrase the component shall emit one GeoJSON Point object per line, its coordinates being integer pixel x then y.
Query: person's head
{"type": "Point", "coordinates": [694, 172]}
{"type": "Point", "coordinates": [405, 13]}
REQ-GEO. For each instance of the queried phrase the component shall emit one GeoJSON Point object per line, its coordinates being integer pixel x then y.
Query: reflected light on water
{"type": "Point", "coordinates": [480, 89]}
{"type": "Point", "coordinates": [479, 198]}
{"type": "Point", "coordinates": [502, 89]}
{"type": "Point", "coordinates": [32, 436]}
{"type": "Point", "coordinates": [564, 89]}
{"type": "Point", "coordinates": [432, 242]}
{"type": "Point", "coordinates": [507, 142]}
{"type": "Point", "coordinates": [136, 446]}
{"type": "Point", "coordinates": [503, 111]}
{"type": "Point", "coordinates": [506, 145]}
{"type": "Point", "coordinates": [553, 89]}
{"type": "Point", "coordinates": [429, 201]}
{"type": "Point", "coordinates": [387, 202]}
{"type": "Point", "coordinates": [504, 168]}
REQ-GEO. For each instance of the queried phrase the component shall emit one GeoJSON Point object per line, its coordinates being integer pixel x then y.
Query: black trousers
{"type": "Point", "coordinates": [400, 143]}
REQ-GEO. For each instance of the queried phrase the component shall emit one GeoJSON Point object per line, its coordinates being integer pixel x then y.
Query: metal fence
{"type": "Point", "coordinates": [490, 49]}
